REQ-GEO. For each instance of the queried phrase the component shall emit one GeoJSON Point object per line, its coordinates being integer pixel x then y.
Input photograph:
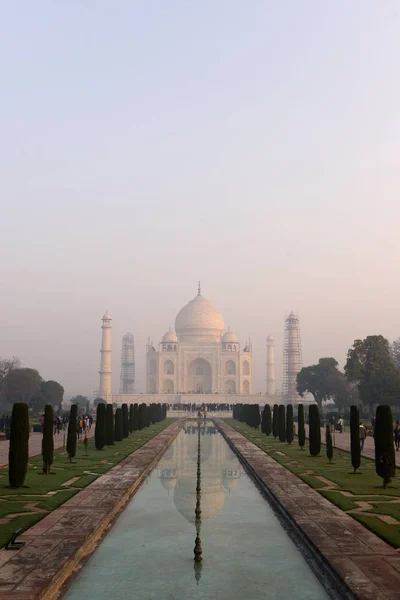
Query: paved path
{"type": "Point", "coordinates": [342, 440]}
{"type": "Point", "coordinates": [57, 543]}
{"type": "Point", "coordinates": [35, 445]}
{"type": "Point", "coordinates": [369, 566]}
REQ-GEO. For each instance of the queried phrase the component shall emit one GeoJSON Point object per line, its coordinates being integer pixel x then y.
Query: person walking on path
{"type": "Point", "coordinates": [397, 435]}
{"type": "Point", "coordinates": [340, 425]}
{"type": "Point", "coordinates": [363, 435]}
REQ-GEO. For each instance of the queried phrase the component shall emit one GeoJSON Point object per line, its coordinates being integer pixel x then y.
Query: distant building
{"type": "Point", "coordinates": [127, 379]}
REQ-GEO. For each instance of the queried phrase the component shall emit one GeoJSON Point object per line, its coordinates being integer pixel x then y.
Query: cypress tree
{"type": "Point", "coordinates": [135, 417]}
{"type": "Point", "coordinates": [71, 436]}
{"type": "Point", "coordinates": [314, 430]}
{"type": "Point", "coordinates": [125, 420]}
{"type": "Point", "coordinates": [301, 428]}
{"type": "Point", "coordinates": [141, 416]}
{"type": "Point", "coordinates": [100, 431]}
{"type": "Point", "coordinates": [328, 442]}
{"type": "Point", "coordinates": [268, 423]}
{"type": "Point", "coordinates": [18, 453]}
{"type": "Point", "coordinates": [385, 462]}
{"type": "Point", "coordinates": [275, 428]}
{"type": "Point", "coordinates": [118, 432]}
{"type": "Point", "coordinates": [109, 425]}
{"type": "Point", "coordinates": [131, 419]}
{"type": "Point", "coordinates": [48, 440]}
{"type": "Point", "coordinates": [289, 424]}
{"type": "Point", "coordinates": [256, 416]}
{"type": "Point", "coordinates": [281, 423]}
{"type": "Point", "coordinates": [355, 438]}
{"type": "Point", "coordinates": [263, 417]}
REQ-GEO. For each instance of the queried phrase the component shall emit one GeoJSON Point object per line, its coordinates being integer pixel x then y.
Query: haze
{"type": "Point", "coordinates": [146, 145]}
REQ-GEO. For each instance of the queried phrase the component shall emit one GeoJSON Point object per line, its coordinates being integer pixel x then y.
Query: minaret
{"type": "Point", "coordinates": [271, 384]}
{"type": "Point", "coordinates": [105, 362]}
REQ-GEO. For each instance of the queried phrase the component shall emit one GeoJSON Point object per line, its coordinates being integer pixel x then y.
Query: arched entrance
{"type": "Point", "coordinates": [199, 378]}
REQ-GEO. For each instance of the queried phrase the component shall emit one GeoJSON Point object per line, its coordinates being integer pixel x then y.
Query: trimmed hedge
{"type": "Point", "coordinates": [100, 431]}
{"type": "Point", "coordinates": [18, 454]}
{"type": "Point", "coordinates": [48, 440]}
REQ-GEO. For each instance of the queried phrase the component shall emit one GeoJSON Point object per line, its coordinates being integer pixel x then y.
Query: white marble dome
{"type": "Point", "coordinates": [199, 318]}
{"type": "Point", "coordinates": [229, 338]}
{"type": "Point", "coordinates": [170, 338]}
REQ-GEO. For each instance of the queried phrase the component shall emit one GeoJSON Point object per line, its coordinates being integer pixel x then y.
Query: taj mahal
{"type": "Point", "coordinates": [200, 356]}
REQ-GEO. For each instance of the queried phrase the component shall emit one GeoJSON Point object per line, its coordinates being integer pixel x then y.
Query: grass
{"type": "Point", "coordinates": [363, 487]}
{"type": "Point", "coordinates": [46, 493]}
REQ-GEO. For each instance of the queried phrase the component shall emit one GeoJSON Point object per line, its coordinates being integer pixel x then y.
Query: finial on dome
{"type": "Point", "coordinates": [199, 289]}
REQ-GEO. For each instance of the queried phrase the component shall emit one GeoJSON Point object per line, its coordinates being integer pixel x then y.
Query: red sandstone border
{"type": "Point", "coordinates": [58, 543]}
{"type": "Point", "coordinates": [368, 566]}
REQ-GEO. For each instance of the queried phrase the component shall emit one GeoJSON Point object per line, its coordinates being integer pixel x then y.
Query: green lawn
{"type": "Point", "coordinates": [363, 487]}
{"type": "Point", "coordinates": [42, 493]}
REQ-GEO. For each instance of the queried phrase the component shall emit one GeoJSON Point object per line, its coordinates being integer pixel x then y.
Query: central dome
{"type": "Point", "coordinates": [199, 318]}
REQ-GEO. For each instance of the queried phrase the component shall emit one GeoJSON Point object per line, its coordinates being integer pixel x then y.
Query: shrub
{"type": "Point", "coordinates": [18, 453]}
{"type": "Point", "coordinates": [314, 430]}
{"type": "Point", "coordinates": [255, 416]}
{"type": "Point", "coordinates": [385, 462]}
{"type": "Point", "coordinates": [100, 431]}
{"type": "Point", "coordinates": [300, 426]}
{"type": "Point", "coordinates": [125, 420]}
{"type": "Point", "coordinates": [135, 417]}
{"type": "Point", "coordinates": [268, 423]}
{"type": "Point", "coordinates": [328, 441]}
{"type": "Point", "coordinates": [282, 423]}
{"type": "Point", "coordinates": [289, 424]}
{"type": "Point", "coordinates": [118, 431]}
{"type": "Point", "coordinates": [131, 419]}
{"type": "Point", "coordinates": [48, 440]}
{"type": "Point", "coordinates": [109, 425]}
{"type": "Point", "coordinates": [71, 435]}
{"type": "Point", "coordinates": [275, 428]}
{"type": "Point", "coordinates": [141, 416]}
{"type": "Point", "coordinates": [355, 438]}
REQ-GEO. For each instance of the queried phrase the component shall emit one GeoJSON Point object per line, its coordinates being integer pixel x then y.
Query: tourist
{"type": "Point", "coordinates": [363, 435]}
{"type": "Point", "coordinates": [340, 425]}
{"type": "Point", "coordinates": [397, 435]}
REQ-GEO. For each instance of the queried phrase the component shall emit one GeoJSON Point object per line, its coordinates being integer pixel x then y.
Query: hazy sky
{"type": "Point", "coordinates": [148, 144]}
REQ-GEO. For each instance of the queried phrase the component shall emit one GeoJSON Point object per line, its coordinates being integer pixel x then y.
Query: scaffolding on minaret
{"type": "Point", "coordinates": [127, 380]}
{"type": "Point", "coordinates": [292, 358]}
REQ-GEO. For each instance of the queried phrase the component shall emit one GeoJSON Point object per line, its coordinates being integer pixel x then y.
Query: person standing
{"type": "Point", "coordinates": [397, 435]}
{"type": "Point", "coordinates": [363, 435]}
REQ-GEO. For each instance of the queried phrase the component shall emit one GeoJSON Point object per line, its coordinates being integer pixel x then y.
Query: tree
{"type": "Point", "coordinates": [18, 454]}
{"type": "Point", "coordinates": [125, 420]}
{"type": "Point", "coordinates": [109, 425]}
{"type": "Point", "coordinates": [289, 424]}
{"type": "Point", "coordinates": [141, 416]}
{"type": "Point", "coordinates": [135, 417]}
{"type": "Point", "coordinates": [256, 416]}
{"type": "Point", "coordinates": [6, 366]}
{"type": "Point", "coordinates": [81, 401]}
{"type": "Point", "coordinates": [385, 462]}
{"type": "Point", "coordinates": [268, 422]}
{"type": "Point", "coordinates": [21, 384]}
{"type": "Point", "coordinates": [48, 440]}
{"type": "Point", "coordinates": [301, 428]}
{"type": "Point", "coordinates": [323, 380]}
{"type": "Point", "coordinates": [275, 427]}
{"type": "Point", "coordinates": [328, 442]}
{"type": "Point", "coordinates": [314, 430]}
{"type": "Point", "coordinates": [282, 423]}
{"type": "Point", "coordinates": [100, 431]}
{"type": "Point", "coordinates": [369, 365]}
{"type": "Point", "coordinates": [52, 392]}
{"type": "Point", "coordinates": [71, 435]}
{"type": "Point", "coordinates": [118, 431]}
{"type": "Point", "coordinates": [131, 419]}
{"type": "Point", "coordinates": [355, 447]}
{"type": "Point", "coordinates": [395, 353]}
{"type": "Point", "coordinates": [98, 401]}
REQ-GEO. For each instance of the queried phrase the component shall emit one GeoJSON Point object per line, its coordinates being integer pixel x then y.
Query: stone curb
{"type": "Point", "coordinates": [60, 541]}
{"type": "Point", "coordinates": [357, 562]}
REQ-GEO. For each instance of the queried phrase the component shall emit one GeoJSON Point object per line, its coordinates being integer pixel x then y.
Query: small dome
{"type": "Point", "coordinates": [170, 338]}
{"type": "Point", "coordinates": [229, 337]}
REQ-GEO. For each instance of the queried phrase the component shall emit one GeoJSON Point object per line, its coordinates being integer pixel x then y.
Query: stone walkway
{"type": "Point", "coordinates": [369, 566]}
{"type": "Point", "coordinates": [57, 543]}
{"type": "Point", "coordinates": [35, 445]}
{"type": "Point", "coordinates": [342, 440]}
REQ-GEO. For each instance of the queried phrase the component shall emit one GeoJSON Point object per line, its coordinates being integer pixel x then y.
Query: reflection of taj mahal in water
{"type": "Point", "coordinates": [199, 357]}
{"type": "Point", "coordinates": [220, 471]}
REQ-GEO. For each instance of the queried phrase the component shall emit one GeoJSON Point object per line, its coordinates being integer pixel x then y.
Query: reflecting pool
{"type": "Point", "coordinates": [148, 554]}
